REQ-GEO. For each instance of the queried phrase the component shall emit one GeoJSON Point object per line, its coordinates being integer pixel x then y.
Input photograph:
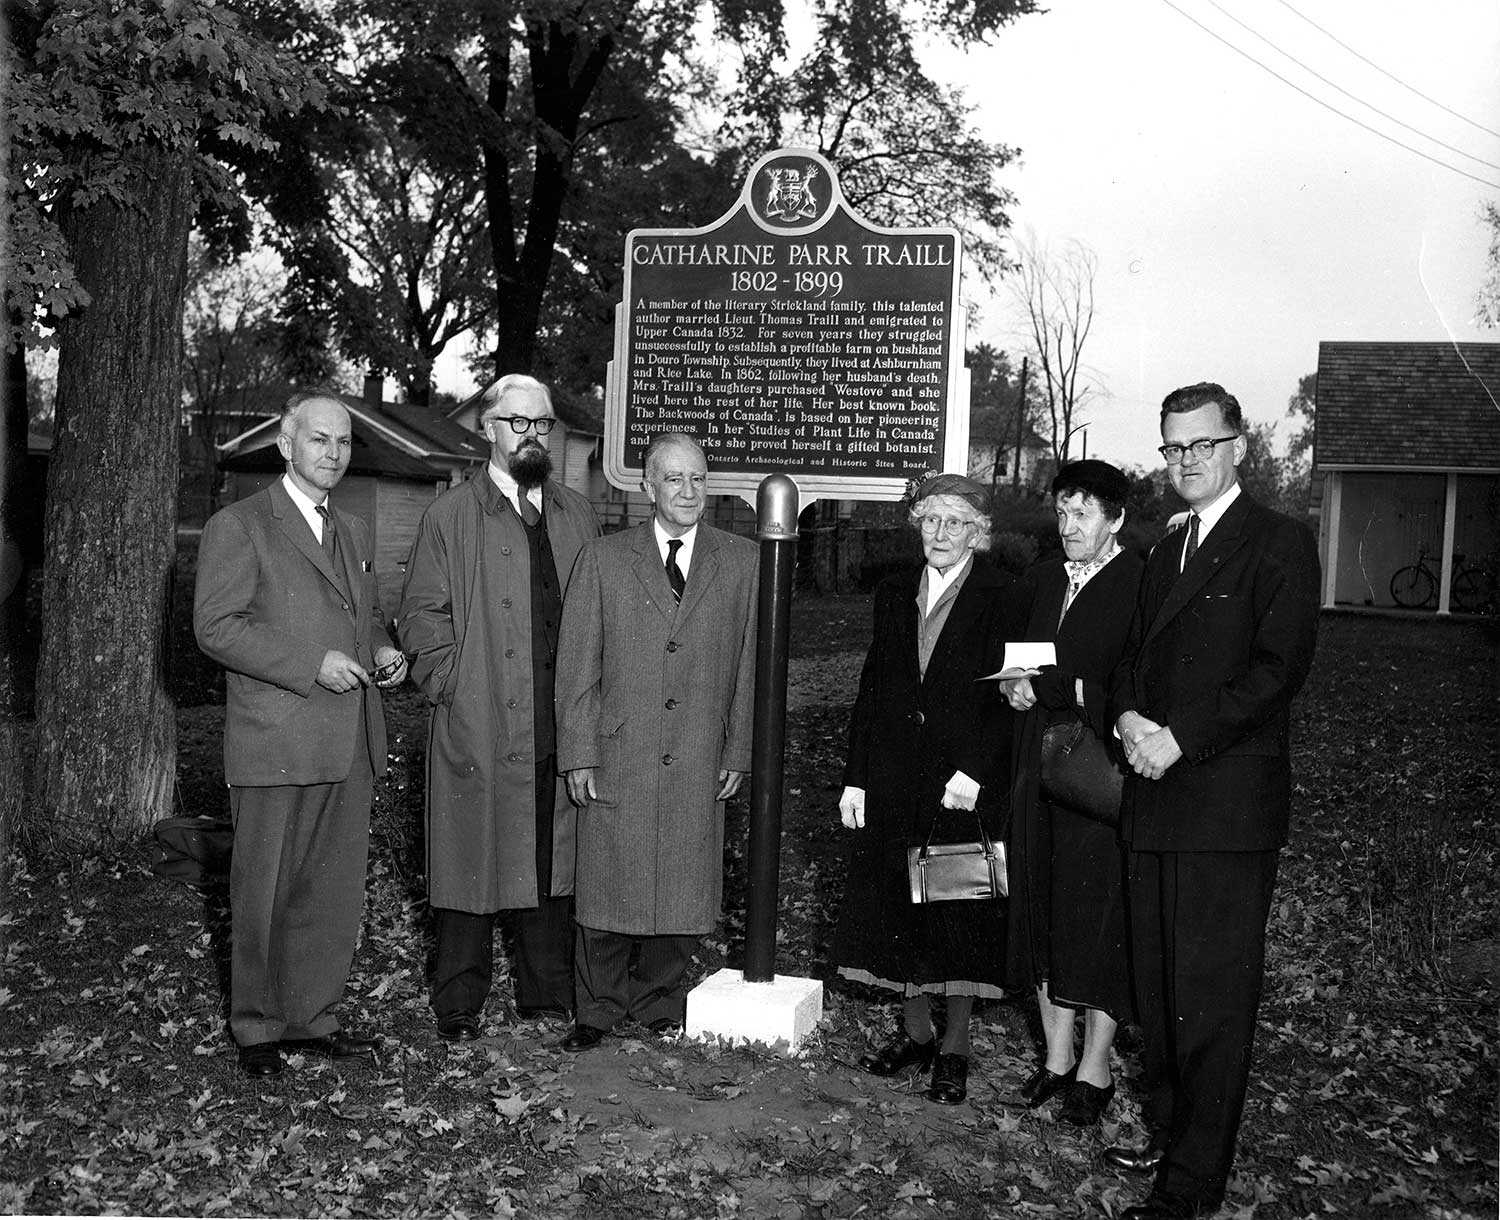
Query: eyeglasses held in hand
{"type": "Point", "coordinates": [932, 523]}
{"type": "Point", "coordinates": [521, 423]}
{"type": "Point", "coordinates": [388, 670]}
{"type": "Point", "coordinates": [1203, 449]}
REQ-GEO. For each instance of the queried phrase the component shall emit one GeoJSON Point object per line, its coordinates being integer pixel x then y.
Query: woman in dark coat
{"type": "Point", "coordinates": [927, 757]}
{"type": "Point", "coordinates": [1067, 927]}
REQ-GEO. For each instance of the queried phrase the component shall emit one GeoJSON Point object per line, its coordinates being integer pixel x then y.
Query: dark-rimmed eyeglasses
{"type": "Point", "coordinates": [1202, 449]}
{"type": "Point", "coordinates": [520, 424]}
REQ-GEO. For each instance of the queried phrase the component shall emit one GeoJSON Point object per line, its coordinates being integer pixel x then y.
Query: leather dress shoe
{"type": "Point", "coordinates": [583, 1037]}
{"type": "Point", "coordinates": [458, 1027]}
{"type": "Point", "coordinates": [1084, 1103]}
{"type": "Point", "coordinates": [950, 1078]}
{"type": "Point", "coordinates": [1135, 1160]}
{"type": "Point", "coordinates": [261, 1059]}
{"type": "Point", "coordinates": [666, 1027]}
{"type": "Point", "coordinates": [341, 1044]}
{"type": "Point", "coordinates": [898, 1054]}
{"type": "Point", "coordinates": [1042, 1085]}
{"type": "Point", "coordinates": [1157, 1206]}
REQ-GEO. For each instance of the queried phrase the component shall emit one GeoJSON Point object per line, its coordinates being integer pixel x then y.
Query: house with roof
{"type": "Point", "coordinates": [1000, 458]}
{"type": "Point", "coordinates": [403, 457]}
{"type": "Point", "coordinates": [1406, 475]}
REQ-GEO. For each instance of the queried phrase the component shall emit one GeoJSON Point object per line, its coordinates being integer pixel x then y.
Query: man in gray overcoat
{"type": "Point", "coordinates": [655, 697]}
{"type": "Point", "coordinates": [480, 615]}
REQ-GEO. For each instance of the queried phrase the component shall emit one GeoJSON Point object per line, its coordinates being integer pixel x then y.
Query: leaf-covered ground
{"type": "Point", "coordinates": [1374, 1093]}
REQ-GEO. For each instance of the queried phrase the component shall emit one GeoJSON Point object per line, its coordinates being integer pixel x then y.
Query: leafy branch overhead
{"type": "Point", "coordinates": [90, 87]}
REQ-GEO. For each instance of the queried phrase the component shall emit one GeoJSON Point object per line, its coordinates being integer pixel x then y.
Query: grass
{"type": "Point", "coordinates": [1373, 1094]}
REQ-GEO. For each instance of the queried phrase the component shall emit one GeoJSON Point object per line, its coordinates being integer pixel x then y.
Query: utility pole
{"type": "Point", "coordinates": [1020, 423]}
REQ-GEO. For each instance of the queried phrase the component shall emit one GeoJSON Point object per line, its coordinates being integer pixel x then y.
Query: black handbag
{"type": "Point", "coordinates": [946, 872]}
{"type": "Point", "coordinates": [1077, 771]}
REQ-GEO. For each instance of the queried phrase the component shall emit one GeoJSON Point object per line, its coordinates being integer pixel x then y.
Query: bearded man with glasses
{"type": "Point", "coordinates": [1221, 641]}
{"type": "Point", "coordinates": [480, 615]}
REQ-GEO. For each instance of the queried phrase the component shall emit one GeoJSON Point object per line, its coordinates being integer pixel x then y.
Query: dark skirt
{"type": "Point", "coordinates": [1067, 880]}
{"type": "Point", "coordinates": [885, 938]}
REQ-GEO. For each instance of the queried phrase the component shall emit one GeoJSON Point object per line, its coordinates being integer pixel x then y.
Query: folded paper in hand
{"type": "Point", "coordinates": [1025, 659]}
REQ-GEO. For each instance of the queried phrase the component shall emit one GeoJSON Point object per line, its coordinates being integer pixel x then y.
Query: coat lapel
{"type": "Point", "coordinates": [349, 560]}
{"type": "Point", "coordinates": [651, 573]}
{"type": "Point", "coordinates": [1223, 540]}
{"type": "Point", "coordinates": [294, 525]}
{"type": "Point", "coordinates": [700, 576]}
{"type": "Point", "coordinates": [961, 615]}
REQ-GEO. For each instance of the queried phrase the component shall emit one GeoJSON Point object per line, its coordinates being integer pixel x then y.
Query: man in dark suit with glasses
{"type": "Point", "coordinates": [480, 613]}
{"type": "Point", "coordinates": [1221, 641]}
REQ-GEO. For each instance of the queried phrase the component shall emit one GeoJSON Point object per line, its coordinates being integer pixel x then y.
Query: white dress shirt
{"type": "Point", "coordinates": [511, 490]}
{"type": "Point", "coordinates": [1209, 517]}
{"type": "Point", "coordinates": [307, 506]}
{"type": "Point", "coordinates": [684, 555]}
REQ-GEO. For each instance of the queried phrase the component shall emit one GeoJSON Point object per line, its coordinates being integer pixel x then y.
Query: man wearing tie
{"type": "Point", "coordinates": [655, 694]}
{"type": "Point", "coordinates": [1221, 641]}
{"type": "Point", "coordinates": [286, 601]}
{"type": "Point", "coordinates": [479, 617]}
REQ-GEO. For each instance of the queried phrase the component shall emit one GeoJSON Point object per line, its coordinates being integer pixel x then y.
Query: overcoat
{"type": "Point", "coordinates": [657, 697]}
{"type": "Point", "coordinates": [465, 624]}
{"type": "Point", "coordinates": [1067, 870]}
{"type": "Point", "coordinates": [267, 607]}
{"type": "Point", "coordinates": [908, 734]}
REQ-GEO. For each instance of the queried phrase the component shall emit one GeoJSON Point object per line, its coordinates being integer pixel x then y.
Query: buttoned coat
{"type": "Point", "coordinates": [657, 697]}
{"type": "Point", "coordinates": [268, 606]}
{"type": "Point", "coordinates": [465, 624]}
{"type": "Point", "coordinates": [1216, 655]}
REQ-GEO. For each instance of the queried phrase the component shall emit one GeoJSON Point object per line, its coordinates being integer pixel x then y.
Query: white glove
{"type": "Point", "coordinates": [960, 792]}
{"type": "Point", "coordinates": [852, 808]}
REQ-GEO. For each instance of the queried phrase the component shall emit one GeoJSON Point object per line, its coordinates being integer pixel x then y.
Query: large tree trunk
{"type": "Point", "coordinates": [106, 741]}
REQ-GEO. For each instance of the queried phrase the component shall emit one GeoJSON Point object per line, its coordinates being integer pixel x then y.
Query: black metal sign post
{"type": "Point", "coordinates": [776, 528]}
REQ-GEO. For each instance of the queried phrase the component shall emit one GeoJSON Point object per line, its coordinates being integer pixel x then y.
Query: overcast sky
{"type": "Point", "coordinates": [1237, 222]}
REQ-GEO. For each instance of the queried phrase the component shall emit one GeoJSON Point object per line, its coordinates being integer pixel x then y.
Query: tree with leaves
{"type": "Point", "coordinates": [576, 123]}
{"type": "Point", "coordinates": [121, 113]}
{"type": "Point", "coordinates": [1053, 292]}
{"type": "Point", "coordinates": [1487, 307]}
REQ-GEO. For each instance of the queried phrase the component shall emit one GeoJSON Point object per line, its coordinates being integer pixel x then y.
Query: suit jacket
{"type": "Point", "coordinates": [657, 697]}
{"type": "Point", "coordinates": [267, 606]}
{"type": "Point", "coordinates": [465, 620]}
{"type": "Point", "coordinates": [1216, 654]}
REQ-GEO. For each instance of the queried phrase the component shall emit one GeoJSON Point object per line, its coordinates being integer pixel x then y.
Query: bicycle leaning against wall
{"type": "Point", "coordinates": [1416, 585]}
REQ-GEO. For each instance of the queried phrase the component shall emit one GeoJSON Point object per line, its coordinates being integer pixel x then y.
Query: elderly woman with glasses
{"type": "Point", "coordinates": [1067, 918]}
{"type": "Point", "coordinates": [927, 761]}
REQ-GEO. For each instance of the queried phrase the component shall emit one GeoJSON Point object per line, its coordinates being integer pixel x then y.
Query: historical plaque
{"type": "Point", "coordinates": [792, 336]}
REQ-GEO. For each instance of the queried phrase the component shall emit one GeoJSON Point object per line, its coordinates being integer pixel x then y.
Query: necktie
{"type": "Point", "coordinates": [1191, 547]}
{"type": "Point", "coordinates": [675, 578]}
{"type": "Point", "coordinates": [330, 541]}
{"type": "Point", "coordinates": [529, 511]}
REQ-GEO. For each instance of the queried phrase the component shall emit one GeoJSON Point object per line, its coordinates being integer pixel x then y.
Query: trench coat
{"type": "Point", "coordinates": [908, 734]}
{"type": "Point", "coordinates": [465, 624]}
{"type": "Point", "coordinates": [657, 697]}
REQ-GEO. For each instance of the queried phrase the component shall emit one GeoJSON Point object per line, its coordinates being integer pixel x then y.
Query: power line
{"type": "Point", "coordinates": [1383, 72]}
{"type": "Point", "coordinates": [1352, 97]}
{"type": "Point", "coordinates": [1327, 106]}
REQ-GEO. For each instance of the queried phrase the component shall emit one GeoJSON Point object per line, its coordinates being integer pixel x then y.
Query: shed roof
{"type": "Point", "coordinates": [1393, 405]}
{"type": "Point", "coordinates": [390, 439]}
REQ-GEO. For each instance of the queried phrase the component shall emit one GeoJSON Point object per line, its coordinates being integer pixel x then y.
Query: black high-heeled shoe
{"type": "Point", "coordinates": [897, 1055]}
{"type": "Point", "coordinates": [1042, 1085]}
{"type": "Point", "coordinates": [1084, 1103]}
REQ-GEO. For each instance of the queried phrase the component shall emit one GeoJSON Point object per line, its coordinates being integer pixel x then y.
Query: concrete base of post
{"type": "Point", "coordinates": [780, 1014]}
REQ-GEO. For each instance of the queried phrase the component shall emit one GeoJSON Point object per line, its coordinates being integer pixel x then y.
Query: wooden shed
{"type": "Point", "coordinates": [403, 457]}
{"type": "Point", "coordinates": [1406, 473]}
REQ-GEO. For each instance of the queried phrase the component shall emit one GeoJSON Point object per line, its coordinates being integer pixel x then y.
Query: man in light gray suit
{"type": "Point", "coordinates": [655, 697]}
